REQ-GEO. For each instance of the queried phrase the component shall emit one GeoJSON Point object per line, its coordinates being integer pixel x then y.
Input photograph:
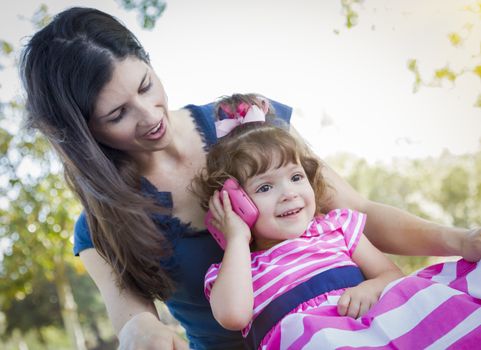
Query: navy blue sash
{"type": "Point", "coordinates": [337, 278]}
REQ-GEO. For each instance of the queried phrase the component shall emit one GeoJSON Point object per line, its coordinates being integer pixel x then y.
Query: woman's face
{"type": "Point", "coordinates": [131, 112]}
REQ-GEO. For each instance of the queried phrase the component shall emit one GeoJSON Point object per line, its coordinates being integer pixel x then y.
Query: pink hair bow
{"type": "Point", "coordinates": [244, 114]}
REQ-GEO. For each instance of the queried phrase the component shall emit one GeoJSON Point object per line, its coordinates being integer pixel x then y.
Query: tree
{"type": "Point", "coordinates": [444, 190]}
{"type": "Point", "coordinates": [149, 10]}
{"type": "Point", "coordinates": [37, 216]}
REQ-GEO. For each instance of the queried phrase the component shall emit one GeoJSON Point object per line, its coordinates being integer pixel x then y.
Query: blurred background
{"type": "Point", "coordinates": [388, 92]}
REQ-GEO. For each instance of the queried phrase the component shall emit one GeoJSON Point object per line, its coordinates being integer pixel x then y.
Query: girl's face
{"type": "Point", "coordinates": [286, 203]}
{"type": "Point", "coordinates": [131, 110]}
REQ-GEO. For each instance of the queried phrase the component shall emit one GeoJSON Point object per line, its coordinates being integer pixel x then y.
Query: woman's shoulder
{"type": "Point", "coordinates": [82, 237]}
{"type": "Point", "coordinates": [203, 117]}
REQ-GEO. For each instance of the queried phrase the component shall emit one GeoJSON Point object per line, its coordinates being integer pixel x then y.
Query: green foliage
{"type": "Point", "coordinates": [446, 190]}
{"type": "Point", "coordinates": [37, 213]}
{"type": "Point", "coordinates": [149, 11]}
{"type": "Point", "coordinates": [349, 12]}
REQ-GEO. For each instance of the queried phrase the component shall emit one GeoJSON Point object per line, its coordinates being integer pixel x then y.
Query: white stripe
{"type": "Point", "coordinates": [447, 274]}
{"type": "Point", "coordinates": [387, 326]}
{"type": "Point", "coordinates": [259, 307]}
{"type": "Point", "coordinates": [338, 213]}
{"type": "Point", "coordinates": [293, 262]}
{"type": "Point", "coordinates": [292, 331]}
{"type": "Point", "coordinates": [277, 246]}
{"type": "Point", "coordinates": [356, 233]}
{"type": "Point", "coordinates": [473, 280]}
{"type": "Point", "coordinates": [463, 328]}
{"type": "Point", "coordinates": [306, 246]}
{"type": "Point", "coordinates": [308, 276]}
{"type": "Point", "coordinates": [346, 223]}
{"type": "Point", "coordinates": [291, 271]}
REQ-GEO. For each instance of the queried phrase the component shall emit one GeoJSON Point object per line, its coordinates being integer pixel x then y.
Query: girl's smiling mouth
{"type": "Point", "coordinates": [289, 213]}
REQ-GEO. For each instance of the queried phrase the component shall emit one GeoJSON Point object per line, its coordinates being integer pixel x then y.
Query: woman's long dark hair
{"type": "Point", "coordinates": [64, 67]}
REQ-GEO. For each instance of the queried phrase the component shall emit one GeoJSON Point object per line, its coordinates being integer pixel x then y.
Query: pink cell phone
{"type": "Point", "coordinates": [242, 205]}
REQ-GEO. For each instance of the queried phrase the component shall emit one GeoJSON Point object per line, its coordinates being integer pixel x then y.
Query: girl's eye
{"type": "Point", "coordinates": [263, 188]}
{"type": "Point", "coordinates": [297, 177]}
{"type": "Point", "coordinates": [146, 88]}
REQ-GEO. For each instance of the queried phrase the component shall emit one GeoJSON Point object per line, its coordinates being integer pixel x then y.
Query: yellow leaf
{"type": "Point", "coordinates": [6, 47]}
{"type": "Point", "coordinates": [412, 65]}
{"type": "Point", "coordinates": [445, 73]}
{"type": "Point", "coordinates": [477, 71]}
{"type": "Point", "coordinates": [455, 39]}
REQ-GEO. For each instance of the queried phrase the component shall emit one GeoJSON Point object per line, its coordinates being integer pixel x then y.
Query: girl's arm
{"type": "Point", "coordinates": [232, 297]}
{"type": "Point", "coordinates": [377, 269]}
{"type": "Point", "coordinates": [395, 231]}
{"type": "Point", "coordinates": [135, 320]}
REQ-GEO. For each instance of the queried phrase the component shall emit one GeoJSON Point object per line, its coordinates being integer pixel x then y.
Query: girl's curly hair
{"type": "Point", "coordinates": [250, 149]}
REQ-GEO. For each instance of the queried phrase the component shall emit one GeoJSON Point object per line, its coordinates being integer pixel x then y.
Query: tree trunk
{"type": "Point", "coordinates": [68, 306]}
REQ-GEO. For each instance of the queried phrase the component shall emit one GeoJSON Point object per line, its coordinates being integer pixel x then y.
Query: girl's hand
{"type": "Point", "coordinates": [356, 301]}
{"type": "Point", "coordinates": [225, 219]}
{"type": "Point", "coordinates": [145, 332]}
{"type": "Point", "coordinates": [471, 245]}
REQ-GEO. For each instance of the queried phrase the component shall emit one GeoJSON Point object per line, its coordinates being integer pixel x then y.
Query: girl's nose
{"type": "Point", "coordinates": [289, 195]}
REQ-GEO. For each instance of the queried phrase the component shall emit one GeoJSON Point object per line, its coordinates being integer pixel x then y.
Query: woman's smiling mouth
{"type": "Point", "coordinates": [156, 132]}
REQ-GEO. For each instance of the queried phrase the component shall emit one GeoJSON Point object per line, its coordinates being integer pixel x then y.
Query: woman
{"type": "Point", "coordinates": [92, 92]}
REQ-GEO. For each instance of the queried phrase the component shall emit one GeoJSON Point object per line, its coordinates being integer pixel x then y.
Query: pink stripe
{"type": "Point", "coordinates": [398, 295]}
{"type": "Point", "coordinates": [430, 271]}
{"type": "Point", "coordinates": [463, 268]}
{"type": "Point", "coordinates": [329, 319]}
{"type": "Point", "coordinates": [469, 341]}
{"type": "Point", "coordinates": [434, 326]}
{"type": "Point", "coordinates": [439, 322]}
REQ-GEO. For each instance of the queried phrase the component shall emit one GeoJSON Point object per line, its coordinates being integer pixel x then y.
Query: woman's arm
{"type": "Point", "coordinates": [232, 296]}
{"type": "Point", "coordinates": [377, 269]}
{"type": "Point", "coordinates": [395, 231]}
{"type": "Point", "coordinates": [134, 319]}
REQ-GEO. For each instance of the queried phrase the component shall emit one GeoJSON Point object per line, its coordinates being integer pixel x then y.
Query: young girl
{"type": "Point", "coordinates": [292, 281]}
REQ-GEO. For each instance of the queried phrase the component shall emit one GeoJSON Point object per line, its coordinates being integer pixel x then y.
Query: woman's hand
{"type": "Point", "coordinates": [471, 245]}
{"type": "Point", "coordinates": [225, 219]}
{"type": "Point", "coordinates": [145, 332]}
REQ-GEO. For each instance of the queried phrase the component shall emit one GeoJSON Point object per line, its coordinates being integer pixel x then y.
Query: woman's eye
{"type": "Point", "coordinates": [146, 88]}
{"type": "Point", "coordinates": [118, 117]}
{"type": "Point", "coordinates": [263, 188]}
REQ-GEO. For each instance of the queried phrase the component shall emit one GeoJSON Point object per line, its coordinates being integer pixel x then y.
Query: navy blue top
{"type": "Point", "coordinates": [193, 252]}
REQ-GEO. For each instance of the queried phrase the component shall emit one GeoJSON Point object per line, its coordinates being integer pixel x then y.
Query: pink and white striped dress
{"type": "Point", "coordinates": [439, 307]}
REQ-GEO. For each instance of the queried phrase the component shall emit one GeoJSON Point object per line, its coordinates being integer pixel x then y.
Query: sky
{"type": "Point", "coordinates": [351, 89]}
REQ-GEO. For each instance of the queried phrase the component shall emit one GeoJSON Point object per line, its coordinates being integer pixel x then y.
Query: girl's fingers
{"type": "Point", "coordinates": [365, 307]}
{"type": "Point", "coordinates": [214, 206]}
{"type": "Point", "coordinates": [343, 304]}
{"type": "Point", "coordinates": [226, 202]}
{"type": "Point", "coordinates": [354, 307]}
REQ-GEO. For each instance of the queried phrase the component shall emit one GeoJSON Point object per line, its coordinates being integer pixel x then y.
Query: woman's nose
{"type": "Point", "coordinates": [147, 112]}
